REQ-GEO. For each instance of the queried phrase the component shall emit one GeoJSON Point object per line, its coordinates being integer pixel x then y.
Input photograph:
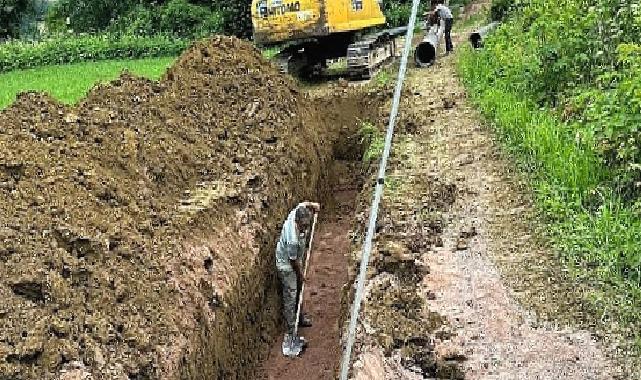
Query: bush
{"type": "Point", "coordinates": [236, 15]}
{"type": "Point", "coordinates": [582, 60]}
{"type": "Point", "coordinates": [180, 18]}
{"type": "Point", "coordinates": [87, 16]}
{"type": "Point", "coordinates": [21, 55]}
{"type": "Point", "coordinates": [612, 114]}
{"type": "Point", "coordinates": [500, 9]}
{"type": "Point", "coordinates": [561, 82]}
{"type": "Point", "coordinates": [398, 12]}
{"type": "Point", "coordinates": [141, 21]}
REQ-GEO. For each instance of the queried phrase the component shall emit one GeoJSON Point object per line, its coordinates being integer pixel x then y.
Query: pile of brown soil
{"type": "Point", "coordinates": [138, 227]}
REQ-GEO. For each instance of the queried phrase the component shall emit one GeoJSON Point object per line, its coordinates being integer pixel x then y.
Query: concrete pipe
{"type": "Point", "coordinates": [426, 51]}
{"type": "Point", "coordinates": [476, 38]}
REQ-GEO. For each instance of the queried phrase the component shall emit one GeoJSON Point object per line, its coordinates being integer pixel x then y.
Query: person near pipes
{"type": "Point", "coordinates": [290, 252]}
{"type": "Point", "coordinates": [444, 13]}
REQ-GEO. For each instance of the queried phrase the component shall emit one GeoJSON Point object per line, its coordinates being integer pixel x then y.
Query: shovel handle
{"type": "Point", "coordinates": [302, 287]}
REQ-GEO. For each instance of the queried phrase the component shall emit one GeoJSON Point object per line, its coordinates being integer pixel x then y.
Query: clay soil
{"type": "Point", "coordinates": [138, 226]}
{"type": "Point", "coordinates": [323, 291]}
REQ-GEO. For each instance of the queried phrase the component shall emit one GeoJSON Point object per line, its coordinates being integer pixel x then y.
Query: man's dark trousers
{"type": "Point", "coordinates": [448, 34]}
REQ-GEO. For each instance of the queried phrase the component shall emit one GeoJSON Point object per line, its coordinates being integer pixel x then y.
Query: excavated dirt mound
{"type": "Point", "coordinates": [138, 227]}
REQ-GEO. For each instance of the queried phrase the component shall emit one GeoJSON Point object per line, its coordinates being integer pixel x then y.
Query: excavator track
{"type": "Point", "coordinates": [289, 62]}
{"type": "Point", "coordinates": [297, 62]}
{"type": "Point", "coordinates": [366, 56]}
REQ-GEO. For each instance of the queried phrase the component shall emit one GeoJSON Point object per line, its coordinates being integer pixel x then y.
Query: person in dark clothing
{"type": "Point", "coordinates": [445, 14]}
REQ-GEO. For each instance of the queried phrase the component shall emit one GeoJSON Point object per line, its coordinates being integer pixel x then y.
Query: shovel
{"type": "Point", "coordinates": [293, 345]}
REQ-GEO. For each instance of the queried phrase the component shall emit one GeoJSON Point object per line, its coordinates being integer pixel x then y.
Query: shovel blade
{"type": "Point", "coordinates": [293, 346]}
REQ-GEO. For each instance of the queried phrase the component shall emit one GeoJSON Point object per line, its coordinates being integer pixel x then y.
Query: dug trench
{"type": "Point", "coordinates": [350, 110]}
{"type": "Point", "coordinates": [326, 277]}
{"type": "Point", "coordinates": [138, 227]}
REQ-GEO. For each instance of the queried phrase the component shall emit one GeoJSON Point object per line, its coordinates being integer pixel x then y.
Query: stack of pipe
{"type": "Point", "coordinates": [476, 38]}
{"type": "Point", "coordinates": [425, 53]}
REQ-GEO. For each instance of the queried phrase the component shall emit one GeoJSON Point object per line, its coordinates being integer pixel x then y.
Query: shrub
{"type": "Point", "coordinates": [236, 15]}
{"type": "Point", "coordinates": [612, 114]}
{"type": "Point", "coordinates": [398, 12]}
{"type": "Point", "coordinates": [21, 55]}
{"type": "Point", "coordinates": [88, 16]}
{"type": "Point", "coordinates": [176, 18]}
{"type": "Point", "coordinates": [500, 9]}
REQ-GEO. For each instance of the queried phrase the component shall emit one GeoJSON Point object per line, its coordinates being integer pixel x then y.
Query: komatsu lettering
{"type": "Point", "coordinates": [277, 8]}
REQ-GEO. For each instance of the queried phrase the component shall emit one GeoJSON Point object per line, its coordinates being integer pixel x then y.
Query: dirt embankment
{"type": "Point", "coordinates": [138, 227]}
{"type": "Point", "coordinates": [397, 330]}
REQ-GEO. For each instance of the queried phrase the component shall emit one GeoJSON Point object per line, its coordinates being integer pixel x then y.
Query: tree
{"type": "Point", "coordinates": [90, 15]}
{"type": "Point", "coordinates": [236, 15]}
{"type": "Point", "coordinates": [10, 13]}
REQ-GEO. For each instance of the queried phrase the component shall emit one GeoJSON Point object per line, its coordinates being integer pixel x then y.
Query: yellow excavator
{"type": "Point", "coordinates": [315, 31]}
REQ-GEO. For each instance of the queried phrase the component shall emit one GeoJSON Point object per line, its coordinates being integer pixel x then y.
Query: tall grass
{"type": "Point", "coordinates": [596, 231]}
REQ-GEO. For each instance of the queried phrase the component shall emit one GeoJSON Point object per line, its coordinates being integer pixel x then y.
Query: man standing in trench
{"type": "Point", "coordinates": [290, 252]}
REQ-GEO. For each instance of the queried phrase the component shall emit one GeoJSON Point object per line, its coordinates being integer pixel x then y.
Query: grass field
{"type": "Point", "coordinates": [69, 83]}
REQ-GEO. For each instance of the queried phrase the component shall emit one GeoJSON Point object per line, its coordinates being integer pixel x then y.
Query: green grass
{"type": "Point", "coordinates": [271, 52]}
{"type": "Point", "coordinates": [375, 141]}
{"type": "Point", "coordinates": [69, 83]}
{"type": "Point", "coordinates": [384, 77]}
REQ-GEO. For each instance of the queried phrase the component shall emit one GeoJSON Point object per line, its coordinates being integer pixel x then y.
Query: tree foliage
{"type": "Point", "coordinates": [581, 58]}
{"type": "Point", "coordinates": [176, 18]}
{"type": "Point", "coordinates": [10, 12]}
{"type": "Point", "coordinates": [236, 15]}
{"type": "Point", "coordinates": [89, 15]}
{"type": "Point", "coordinates": [147, 17]}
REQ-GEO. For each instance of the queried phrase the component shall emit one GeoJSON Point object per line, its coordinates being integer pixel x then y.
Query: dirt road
{"type": "Point", "coordinates": [488, 228]}
{"type": "Point", "coordinates": [488, 261]}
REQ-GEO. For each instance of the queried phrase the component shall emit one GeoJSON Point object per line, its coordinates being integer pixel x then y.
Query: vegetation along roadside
{"type": "Point", "coordinates": [562, 89]}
